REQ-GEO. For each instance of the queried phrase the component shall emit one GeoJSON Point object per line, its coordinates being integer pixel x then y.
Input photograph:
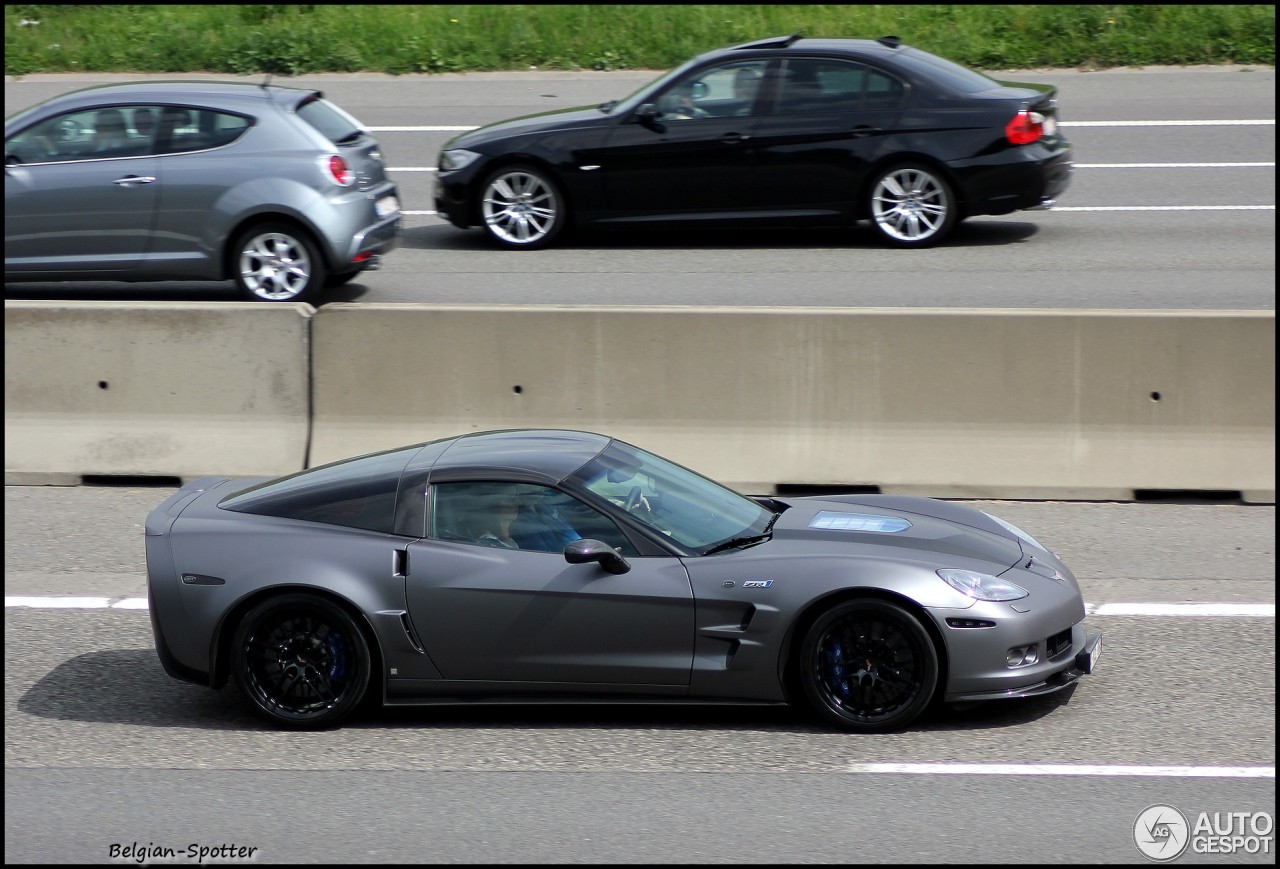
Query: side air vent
{"type": "Point", "coordinates": [748, 616]}
{"type": "Point", "coordinates": [410, 633]}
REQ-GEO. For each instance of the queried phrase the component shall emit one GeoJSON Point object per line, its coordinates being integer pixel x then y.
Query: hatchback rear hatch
{"type": "Point", "coordinates": [354, 143]}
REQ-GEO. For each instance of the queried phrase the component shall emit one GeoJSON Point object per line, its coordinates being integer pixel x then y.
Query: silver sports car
{"type": "Point", "coordinates": [562, 565]}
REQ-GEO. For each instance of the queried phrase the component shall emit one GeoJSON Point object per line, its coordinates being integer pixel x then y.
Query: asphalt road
{"type": "Point", "coordinates": [1158, 215]}
{"type": "Point", "coordinates": [102, 748]}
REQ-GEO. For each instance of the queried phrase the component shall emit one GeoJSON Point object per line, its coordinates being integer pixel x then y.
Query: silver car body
{"type": "Point", "coordinates": [168, 207]}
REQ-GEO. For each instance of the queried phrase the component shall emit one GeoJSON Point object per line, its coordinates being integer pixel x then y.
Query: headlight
{"type": "Point", "coordinates": [981, 586]}
{"type": "Point", "coordinates": [456, 159]}
{"type": "Point", "coordinates": [1018, 532]}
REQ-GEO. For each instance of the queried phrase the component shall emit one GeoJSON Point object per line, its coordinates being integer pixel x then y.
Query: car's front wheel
{"type": "Point", "coordinates": [301, 661]}
{"type": "Point", "coordinates": [522, 207]}
{"type": "Point", "coordinates": [912, 205]}
{"type": "Point", "coordinates": [277, 262]}
{"type": "Point", "coordinates": [868, 665]}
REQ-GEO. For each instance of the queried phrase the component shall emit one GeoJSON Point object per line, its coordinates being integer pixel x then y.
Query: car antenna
{"type": "Point", "coordinates": [890, 41]}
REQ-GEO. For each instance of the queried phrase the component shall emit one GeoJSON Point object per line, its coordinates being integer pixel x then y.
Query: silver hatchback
{"type": "Point", "coordinates": [275, 188]}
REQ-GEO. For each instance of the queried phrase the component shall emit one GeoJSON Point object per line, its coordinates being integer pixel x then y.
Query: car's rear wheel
{"type": "Point", "coordinates": [912, 205]}
{"type": "Point", "coordinates": [301, 661]}
{"type": "Point", "coordinates": [868, 665]}
{"type": "Point", "coordinates": [522, 207]}
{"type": "Point", "coordinates": [277, 262]}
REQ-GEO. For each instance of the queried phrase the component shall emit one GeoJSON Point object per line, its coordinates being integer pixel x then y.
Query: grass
{"type": "Point", "coordinates": [399, 39]}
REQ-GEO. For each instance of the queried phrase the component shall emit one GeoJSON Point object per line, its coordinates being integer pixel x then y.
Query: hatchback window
{"type": "Point", "coordinates": [332, 122]}
{"type": "Point", "coordinates": [185, 128]}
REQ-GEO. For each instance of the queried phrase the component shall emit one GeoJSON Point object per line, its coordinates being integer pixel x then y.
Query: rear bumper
{"type": "Point", "coordinates": [1029, 177]}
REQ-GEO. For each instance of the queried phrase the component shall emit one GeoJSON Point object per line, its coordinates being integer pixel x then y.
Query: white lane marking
{"type": "Point", "coordinates": [1065, 769]}
{"type": "Point", "coordinates": [1261, 610]}
{"type": "Point", "coordinates": [1257, 165]}
{"type": "Point", "coordinates": [1163, 166]}
{"type": "Point", "coordinates": [1163, 208]}
{"type": "Point", "coordinates": [1231, 610]}
{"type": "Point", "coordinates": [1217, 123]}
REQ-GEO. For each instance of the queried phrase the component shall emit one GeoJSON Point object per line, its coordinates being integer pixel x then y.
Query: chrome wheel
{"type": "Point", "coordinates": [521, 208]}
{"type": "Point", "coordinates": [869, 665]}
{"type": "Point", "coordinates": [912, 206]}
{"type": "Point", "coordinates": [275, 263]}
{"type": "Point", "coordinates": [301, 661]}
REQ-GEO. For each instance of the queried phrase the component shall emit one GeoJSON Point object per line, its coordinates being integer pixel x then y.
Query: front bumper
{"type": "Point", "coordinates": [1082, 664]}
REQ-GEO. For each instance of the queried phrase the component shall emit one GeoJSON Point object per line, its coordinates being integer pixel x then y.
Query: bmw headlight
{"type": "Point", "coordinates": [981, 586]}
{"type": "Point", "coordinates": [1018, 532]}
{"type": "Point", "coordinates": [458, 158]}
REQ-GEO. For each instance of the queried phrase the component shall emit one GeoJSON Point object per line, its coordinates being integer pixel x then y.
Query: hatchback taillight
{"type": "Point", "coordinates": [1025, 128]}
{"type": "Point", "coordinates": [340, 172]}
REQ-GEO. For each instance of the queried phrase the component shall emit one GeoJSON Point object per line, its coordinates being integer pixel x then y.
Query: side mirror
{"type": "Point", "coordinates": [648, 115]}
{"type": "Point", "coordinates": [587, 550]}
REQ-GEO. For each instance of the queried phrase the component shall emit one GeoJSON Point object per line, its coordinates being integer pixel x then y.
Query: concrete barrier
{"type": "Point", "coordinates": [946, 402]}
{"type": "Point", "coordinates": [179, 389]}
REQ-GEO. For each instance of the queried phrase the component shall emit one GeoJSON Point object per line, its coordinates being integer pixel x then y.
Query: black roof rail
{"type": "Point", "coordinates": [889, 41]}
{"type": "Point", "coordinates": [772, 42]}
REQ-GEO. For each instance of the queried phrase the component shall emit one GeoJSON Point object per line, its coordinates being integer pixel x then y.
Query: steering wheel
{"type": "Point", "coordinates": [633, 499]}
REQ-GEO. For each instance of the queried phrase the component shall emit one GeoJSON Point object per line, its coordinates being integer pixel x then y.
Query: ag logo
{"type": "Point", "coordinates": [1161, 833]}
{"type": "Point", "coordinates": [757, 583]}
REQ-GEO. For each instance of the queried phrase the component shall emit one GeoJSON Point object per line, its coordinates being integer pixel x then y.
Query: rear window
{"type": "Point", "coordinates": [357, 493]}
{"type": "Point", "coordinates": [950, 77]}
{"type": "Point", "coordinates": [332, 122]}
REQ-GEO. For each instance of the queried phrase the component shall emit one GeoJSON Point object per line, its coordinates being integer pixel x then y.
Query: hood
{"type": "Point", "coordinates": [558, 119]}
{"type": "Point", "coordinates": [920, 525]}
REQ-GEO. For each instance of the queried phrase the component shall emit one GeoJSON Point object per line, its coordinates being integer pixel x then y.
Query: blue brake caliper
{"type": "Point", "coordinates": [835, 668]}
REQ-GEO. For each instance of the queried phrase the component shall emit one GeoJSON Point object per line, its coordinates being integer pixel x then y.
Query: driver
{"type": "Point", "coordinates": [678, 104]}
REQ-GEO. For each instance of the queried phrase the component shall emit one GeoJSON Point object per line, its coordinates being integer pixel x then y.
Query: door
{"type": "Point", "coordinates": [76, 199]}
{"type": "Point", "coordinates": [486, 610]}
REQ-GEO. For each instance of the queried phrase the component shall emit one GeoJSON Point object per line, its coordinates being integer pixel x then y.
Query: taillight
{"type": "Point", "coordinates": [340, 172]}
{"type": "Point", "coordinates": [1025, 128]}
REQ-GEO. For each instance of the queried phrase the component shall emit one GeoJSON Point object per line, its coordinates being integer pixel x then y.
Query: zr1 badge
{"type": "Point", "coordinates": [757, 583]}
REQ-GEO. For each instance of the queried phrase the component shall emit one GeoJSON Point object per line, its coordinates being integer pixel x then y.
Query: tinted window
{"type": "Point", "coordinates": [359, 493]}
{"type": "Point", "coordinates": [91, 134]}
{"type": "Point", "coordinates": [818, 85]}
{"type": "Point", "coordinates": [184, 128]}
{"type": "Point", "coordinates": [723, 91]}
{"type": "Point", "coordinates": [949, 77]}
{"type": "Point", "coordinates": [517, 516]}
{"type": "Point", "coordinates": [332, 122]}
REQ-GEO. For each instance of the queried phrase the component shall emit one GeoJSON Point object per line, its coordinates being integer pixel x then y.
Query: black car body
{"type": "Point", "coordinates": [826, 131]}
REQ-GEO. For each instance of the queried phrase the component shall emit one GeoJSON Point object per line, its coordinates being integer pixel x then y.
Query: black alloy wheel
{"type": "Point", "coordinates": [301, 661]}
{"type": "Point", "coordinates": [868, 665]}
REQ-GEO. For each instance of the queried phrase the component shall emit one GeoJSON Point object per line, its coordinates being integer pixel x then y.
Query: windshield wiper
{"type": "Point", "coordinates": [748, 540]}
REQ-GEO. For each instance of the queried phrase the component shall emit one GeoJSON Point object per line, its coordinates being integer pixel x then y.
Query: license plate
{"type": "Point", "coordinates": [387, 206]}
{"type": "Point", "coordinates": [1095, 655]}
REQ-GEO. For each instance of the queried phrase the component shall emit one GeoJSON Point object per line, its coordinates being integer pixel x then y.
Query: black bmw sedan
{"type": "Point", "coordinates": [788, 131]}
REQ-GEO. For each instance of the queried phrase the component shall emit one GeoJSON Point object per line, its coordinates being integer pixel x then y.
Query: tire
{"type": "Point", "coordinates": [522, 208]}
{"type": "Point", "coordinates": [277, 262]}
{"type": "Point", "coordinates": [912, 205]}
{"type": "Point", "coordinates": [301, 661]}
{"type": "Point", "coordinates": [868, 666]}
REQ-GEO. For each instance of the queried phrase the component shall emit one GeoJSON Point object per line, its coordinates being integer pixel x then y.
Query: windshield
{"type": "Point", "coordinates": [634, 98]}
{"type": "Point", "coordinates": [694, 512]}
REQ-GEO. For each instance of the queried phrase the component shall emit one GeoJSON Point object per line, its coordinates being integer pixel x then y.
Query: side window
{"type": "Point", "coordinates": [814, 85]}
{"type": "Point", "coordinates": [358, 493]}
{"type": "Point", "coordinates": [183, 129]}
{"type": "Point", "coordinates": [726, 91]}
{"type": "Point", "coordinates": [90, 134]}
{"type": "Point", "coordinates": [517, 516]}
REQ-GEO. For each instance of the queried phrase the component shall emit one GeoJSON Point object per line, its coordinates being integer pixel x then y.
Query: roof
{"type": "Point", "coordinates": [551, 454]}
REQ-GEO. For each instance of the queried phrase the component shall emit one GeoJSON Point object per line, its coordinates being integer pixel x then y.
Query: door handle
{"type": "Point", "coordinates": [131, 180]}
{"type": "Point", "coordinates": [733, 138]}
{"type": "Point", "coordinates": [863, 130]}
